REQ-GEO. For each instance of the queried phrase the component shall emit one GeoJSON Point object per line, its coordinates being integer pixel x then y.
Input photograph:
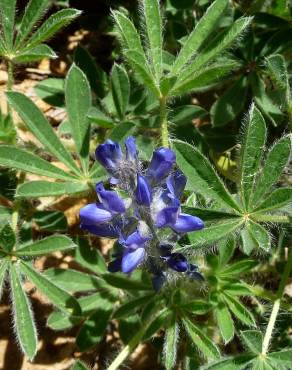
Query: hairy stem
{"type": "Point", "coordinates": [163, 122]}
{"type": "Point", "coordinates": [128, 349]}
{"type": "Point", "coordinates": [276, 306]}
{"type": "Point", "coordinates": [10, 80]}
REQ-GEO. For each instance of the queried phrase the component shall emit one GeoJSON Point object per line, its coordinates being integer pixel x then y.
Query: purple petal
{"type": "Point", "coordinates": [110, 199]}
{"type": "Point", "coordinates": [136, 240]}
{"type": "Point", "coordinates": [167, 216]}
{"type": "Point", "coordinates": [109, 154]}
{"type": "Point", "coordinates": [177, 262]}
{"type": "Point", "coordinates": [93, 214]}
{"type": "Point", "coordinates": [102, 230]}
{"type": "Point", "coordinates": [176, 183]}
{"type": "Point", "coordinates": [161, 163]}
{"type": "Point", "coordinates": [131, 259]}
{"type": "Point", "coordinates": [143, 191]}
{"type": "Point", "coordinates": [131, 149]}
{"type": "Point", "coordinates": [186, 223]}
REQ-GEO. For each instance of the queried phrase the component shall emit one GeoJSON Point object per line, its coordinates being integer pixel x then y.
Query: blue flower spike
{"type": "Point", "coordinates": [147, 220]}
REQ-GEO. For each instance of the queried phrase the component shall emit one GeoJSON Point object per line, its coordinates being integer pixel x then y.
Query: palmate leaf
{"type": "Point", "coordinates": [19, 159]}
{"type": "Point", "coordinates": [170, 343]}
{"type": "Point", "coordinates": [201, 176]}
{"type": "Point", "coordinates": [34, 10]}
{"type": "Point", "coordinates": [40, 127]}
{"type": "Point", "coordinates": [203, 28]}
{"type": "Point", "coordinates": [153, 29]}
{"type": "Point", "coordinates": [251, 153]}
{"type": "Point", "coordinates": [46, 246]}
{"type": "Point", "coordinates": [78, 102]}
{"type": "Point", "coordinates": [34, 54]}
{"type": "Point", "coordinates": [59, 297]}
{"type": "Point", "coordinates": [50, 27]}
{"type": "Point", "coordinates": [23, 316]}
{"type": "Point", "coordinates": [276, 160]}
{"type": "Point", "coordinates": [36, 189]}
{"type": "Point", "coordinates": [7, 12]}
{"type": "Point", "coordinates": [205, 345]}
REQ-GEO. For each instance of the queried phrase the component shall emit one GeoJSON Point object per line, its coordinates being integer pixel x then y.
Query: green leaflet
{"type": "Point", "coordinates": [283, 358]}
{"type": "Point", "coordinates": [40, 127]}
{"type": "Point", "coordinates": [46, 246]}
{"type": "Point", "coordinates": [239, 267]}
{"type": "Point", "coordinates": [202, 79]}
{"type": "Point", "coordinates": [78, 102]}
{"type": "Point", "coordinates": [122, 282]}
{"type": "Point", "coordinates": [7, 237]}
{"type": "Point", "coordinates": [157, 322]}
{"type": "Point", "coordinates": [154, 33]}
{"type": "Point", "coordinates": [140, 66]}
{"type": "Point", "coordinates": [251, 153]}
{"type": "Point", "coordinates": [132, 305]}
{"type": "Point", "coordinates": [208, 348]}
{"type": "Point", "coordinates": [79, 366]}
{"type": "Point", "coordinates": [277, 199]}
{"type": "Point", "coordinates": [34, 10]}
{"type": "Point", "coordinates": [274, 165]}
{"type": "Point", "coordinates": [51, 26]}
{"type": "Point", "coordinates": [214, 232]}
{"type": "Point", "coordinates": [201, 175]}
{"type": "Point", "coordinates": [230, 103]}
{"type": "Point", "coordinates": [56, 295]}
{"type": "Point", "coordinates": [170, 344]}
{"type": "Point", "coordinates": [36, 189]}
{"type": "Point", "coordinates": [34, 54]}
{"type": "Point", "coordinates": [7, 22]}
{"type": "Point", "coordinates": [129, 34]}
{"type": "Point", "coordinates": [203, 28]}
{"type": "Point", "coordinates": [23, 316]}
{"type": "Point", "coordinates": [215, 47]}
{"type": "Point", "coordinates": [259, 235]}
{"type": "Point", "coordinates": [19, 159]}
{"type": "Point", "coordinates": [253, 339]}
{"type": "Point", "coordinates": [225, 322]}
{"type": "Point", "coordinates": [93, 329]}
{"type": "Point", "coordinates": [3, 271]}
{"type": "Point", "coordinates": [277, 68]}
{"type": "Point", "coordinates": [89, 257]}
{"type": "Point", "coordinates": [120, 85]}
{"type": "Point", "coordinates": [239, 310]}
{"type": "Point", "coordinates": [74, 281]}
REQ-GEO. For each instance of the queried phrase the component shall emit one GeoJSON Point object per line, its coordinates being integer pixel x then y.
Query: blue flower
{"type": "Point", "coordinates": [162, 162]}
{"type": "Point", "coordinates": [144, 213]}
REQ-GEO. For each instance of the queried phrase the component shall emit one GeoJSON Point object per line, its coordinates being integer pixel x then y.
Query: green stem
{"type": "Point", "coordinates": [10, 80]}
{"type": "Point", "coordinates": [276, 306]}
{"type": "Point", "coordinates": [163, 122]}
{"type": "Point", "coordinates": [271, 218]}
{"type": "Point", "coordinates": [128, 349]}
{"type": "Point", "coordinates": [17, 205]}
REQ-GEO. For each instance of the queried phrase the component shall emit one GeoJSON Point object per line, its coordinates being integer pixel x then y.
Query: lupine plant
{"type": "Point", "coordinates": [192, 250]}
